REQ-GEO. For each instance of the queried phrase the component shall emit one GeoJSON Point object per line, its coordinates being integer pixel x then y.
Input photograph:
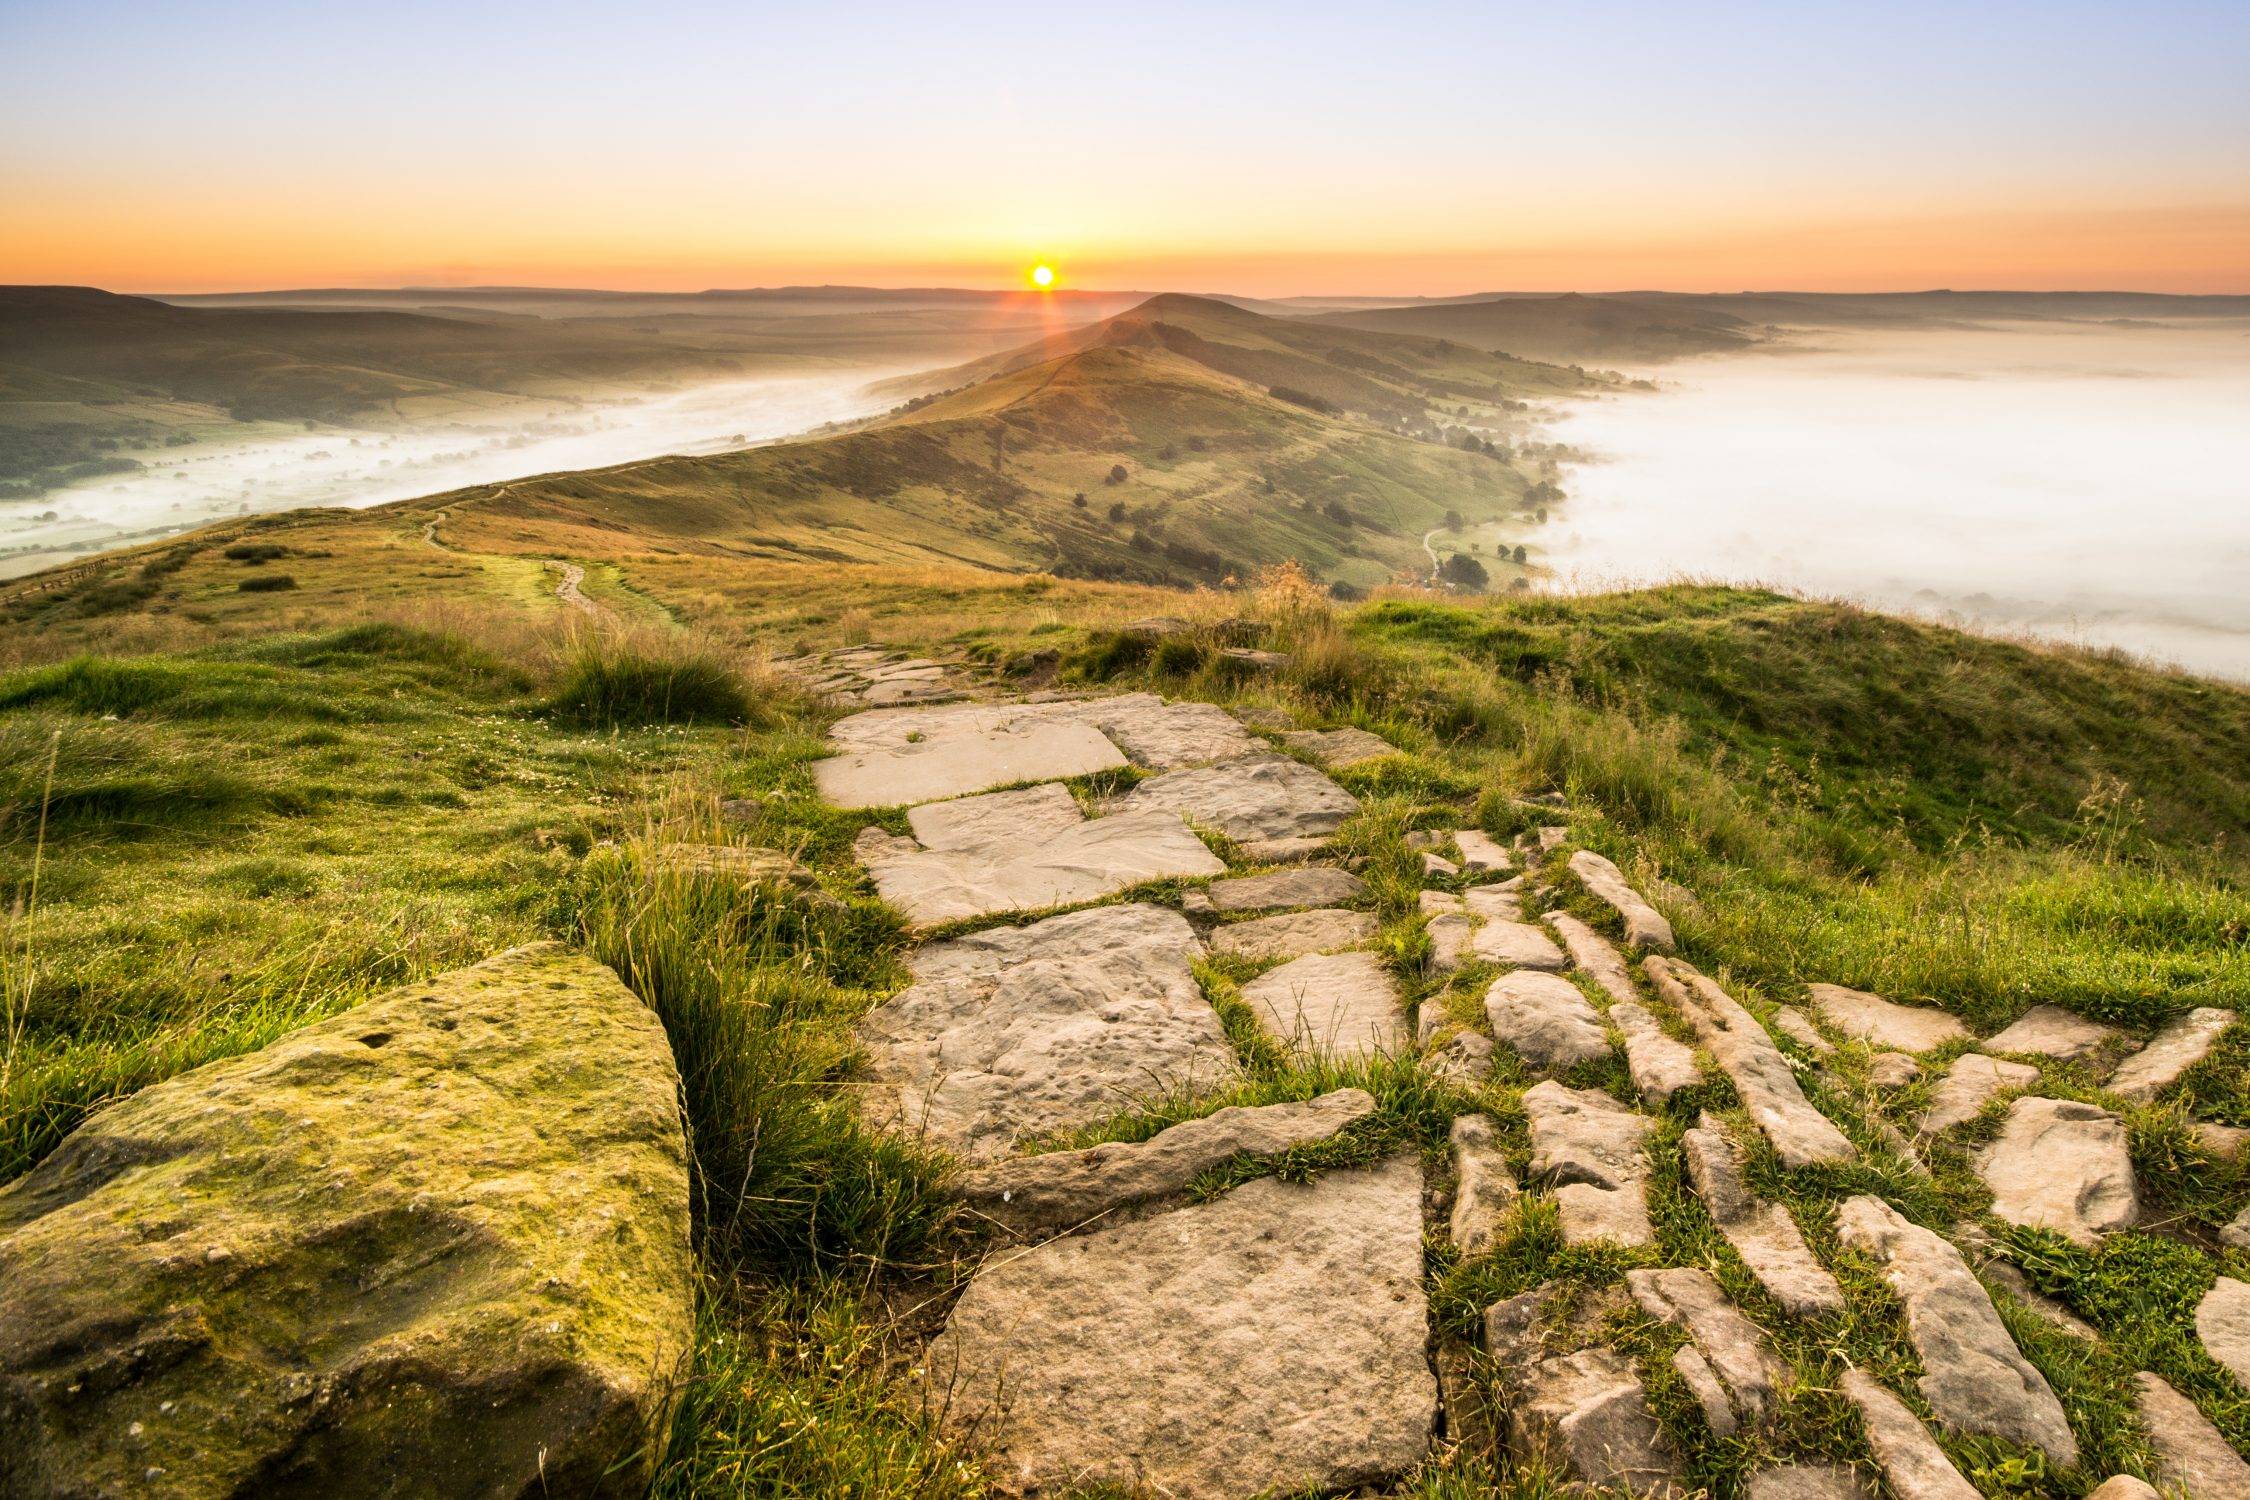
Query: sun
{"type": "Point", "coordinates": [1043, 276]}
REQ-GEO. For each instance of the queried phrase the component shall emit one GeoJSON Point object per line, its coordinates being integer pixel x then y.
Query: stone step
{"type": "Point", "coordinates": [1065, 1188]}
{"type": "Point", "coordinates": [1778, 1107]}
{"type": "Point", "coordinates": [1973, 1376]}
{"type": "Point", "coordinates": [1018, 1032]}
{"type": "Point", "coordinates": [1272, 1340]}
{"type": "Point", "coordinates": [450, 1223]}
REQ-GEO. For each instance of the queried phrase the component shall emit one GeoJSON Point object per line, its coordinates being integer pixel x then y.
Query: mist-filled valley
{"type": "Point", "coordinates": [2075, 481]}
{"type": "Point", "coordinates": [268, 467]}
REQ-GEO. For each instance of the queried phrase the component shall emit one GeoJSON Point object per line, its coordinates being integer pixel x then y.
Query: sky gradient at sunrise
{"type": "Point", "coordinates": [1257, 148]}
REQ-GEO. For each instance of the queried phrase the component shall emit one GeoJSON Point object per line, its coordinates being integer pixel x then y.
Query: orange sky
{"type": "Point", "coordinates": [1252, 148]}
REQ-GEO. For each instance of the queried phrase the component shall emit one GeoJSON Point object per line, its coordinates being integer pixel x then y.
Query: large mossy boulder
{"type": "Point", "coordinates": [436, 1245]}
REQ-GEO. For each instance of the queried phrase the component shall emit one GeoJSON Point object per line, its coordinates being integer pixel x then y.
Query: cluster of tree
{"type": "Point", "coordinates": [1306, 399]}
{"type": "Point", "coordinates": [1464, 571]}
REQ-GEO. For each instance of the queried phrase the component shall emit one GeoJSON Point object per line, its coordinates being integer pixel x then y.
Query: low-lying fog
{"type": "Point", "coordinates": [2084, 482]}
{"type": "Point", "coordinates": [189, 486]}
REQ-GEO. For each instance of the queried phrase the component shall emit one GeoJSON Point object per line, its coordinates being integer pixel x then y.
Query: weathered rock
{"type": "Point", "coordinates": [1886, 1023]}
{"type": "Point", "coordinates": [1588, 1213]}
{"type": "Point", "coordinates": [1734, 1347]}
{"type": "Point", "coordinates": [1270, 1340]}
{"type": "Point", "coordinates": [1914, 1466]}
{"type": "Point", "coordinates": [1438, 867]}
{"type": "Point", "coordinates": [1592, 952]}
{"type": "Point", "coordinates": [443, 1234]}
{"type": "Point", "coordinates": [1709, 1391]}
{"type": "Point", "coordinates": [1015, 1032]}
{"type": "Point", "coordinates": [2011, 1280]}
{"type": "Point", "coordinates": [1339, 747]}
{"type": "Point", "coordinates": [1064, 1188]}
{"type": "Point", "coordinates": [1282, 851]}
{"type": "Point", "coordinates": [1660, 1067]}
{"type": "Point", "coordinates": [1546, 1020]}
{"type": "Point", "coordinates": [1762, 1233]}
{"type": "Point", "coordinates": [2222, 1321]}
{"type": "Point", "coordinates": [1330, 1004]}
{"type": "Point", "coordinates": [1799, 1028]}
{"type": "Point", "coordinates": [1439, 903]}
{"type": "Point", "coordinates": [1892, 1070]}
{"type": "Point", "coordinates": [1517, 944]}
{"type": "Point", "coordinates": [1502, 901]}
{"type": "Point", "coordinates": [1587, 1414]}
{"type": "Point", "coordinates": [1583, 1135]}
{"type": "Point", "coordinates": [2175, 1049]}
{"type": "Point", "coordinates": [1974, 1378]}
{"type": "Point", "coordinates": [2063, 1166]}
{"type": "Point", "coordinates": [1484, 1189]}
{"type": "Point", "coordinates": [1464, 1059]}
{"type": "Point", "coordinates": [1256, 797]}
{"type": "Point", "coordinates": [2123, 1487]}
{"type": "Point", "coordinates": [1027, 816]}
{"type": "Point", "coordinates": [1292, 934]}
{"type": "Point", "coordinates": [2227, 1142]}
{"type": "Point", "coordinates": [1811, 1482]}
{"type": "Point", "coordinates": [1481, 854]}
{"type": "Point", "coordinates": [1591, 1147]}
{"type": "Point", "coordinates": [1311, 885]}
{"type": "Point", "coordinates": [1552, 837]}
{"type": "Point", "coordinates": [1645, 927]}
{"type": "Point", "coordinates": [1021, 856]}
{"type": "Point", "coordinates": [2237, 1233]}
{"type": "Point", "coordinates": [1972, 1083]}
{"type": "Point", "coordinates": [1449, 941]}
{"type": "Point", "coordinates": [2051, 1031]}
{"type": "Point", "coordinates": [953, 765]}
{"type": "Point", "coordinates": [2192, 1456]}
{"type": "Point", "coordinates": [1800, 1133]}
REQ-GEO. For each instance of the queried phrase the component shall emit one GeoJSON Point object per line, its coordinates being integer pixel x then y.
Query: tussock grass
{"type": "Point", "coordinates": [616, 678]}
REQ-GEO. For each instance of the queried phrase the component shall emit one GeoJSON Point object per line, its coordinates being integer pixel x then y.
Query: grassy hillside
{"type": "Point", "coordinates": [1571, 328]}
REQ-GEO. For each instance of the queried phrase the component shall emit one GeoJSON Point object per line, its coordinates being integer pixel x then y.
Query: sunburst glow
{"type": "Point", "coordinates": [1043, 276]}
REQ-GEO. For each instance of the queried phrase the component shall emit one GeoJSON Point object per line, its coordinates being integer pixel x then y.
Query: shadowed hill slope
{"type": "Point", "coordinates": [1570, 328]}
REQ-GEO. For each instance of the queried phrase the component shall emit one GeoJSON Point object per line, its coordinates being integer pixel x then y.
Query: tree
{"type": "Point", "coordinates": [1453, 520]}
{"type": "Point", "coordinates": [1079, 500]}
{"type": "Point", "coordinates": [1168, 453]}
{"type": "Point", "coordinates": [1464, 570]}
{"type": "Point", "coordinates": [1519, 552]}
{"type": "Point", "coordinates": [1117, 510]}
{"type": "Point", "coordinates": [1116, 474]}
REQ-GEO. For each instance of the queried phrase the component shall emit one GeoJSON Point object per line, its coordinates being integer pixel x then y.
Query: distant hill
{"type": "Point", "coordinates": [1571, 328]}
{"type": "Point", "coordinates": [1186, 441]}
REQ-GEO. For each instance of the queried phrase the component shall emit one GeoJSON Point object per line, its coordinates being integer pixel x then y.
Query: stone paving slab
{"type": "Point", "coordinates": [1886, 1023]}
{"type": "Point", "coordinates": [2051, 1031]}
{"type": "Point", "coordinates": [1761, 1232]}
{"type": "Point", "coordinates": [1312, 885]}
{"type": "Point", "coordinates": [1293, 934]}
{"type": "Point", "coordinates": [2061, 1165]}
{"type": "Point", "coordinates": [1272, 1340]}
{"type": "Point", "coordinates": [1064, 1188]}
{"type": "Point", "coordinates": [1972, 1082]}
{"type": "Point", "coordinates": [1258, 797]}
{"type": "Point", "coordinates": [1484, 1190]}
{"type": "Point", "coordinates": [1592, 952]}
{"type": "Point", "coordinates": [1023, 857]}
{"type": "Point", "coordinates": [2192, 1456]}
{"type": "Point", "coordinates": [1027, 816]}
{"type": "Point", "coordinates": [1645, 927]}
{"type": "Point", "coordinates": [1546, 1020]}
{"type": "Point", "coordinates": [1331, 1004]}
{"type": "Point", "coordinates": [1591, 1148]}
{"type": "Point", "coordinates": [1733, 1348]}
{"type": "Point", "coordinates": [1519, 945]}
{"type": "Point", "coordinates": [1587, 1414]}
{"type": "Point", "coordinates": [1914, 1466]}
{"type": "Point", "coordinates": [1016, 1032]}
{"type": "Point", "coordinates": [2174, 1050]}
{"type": "Point", "coordinates": [952, 766]}
{"type": "Point", "coordinates": [1974, 1377]}
{"type": "Point", "coordinates": [1801, 1134]}
{"type": "Point", "coordinates": [1164, 736]}
{"type": "Point", "coordinates": [1482, 854]}
{"type": "Point", "coordinates": [2222, 1321]}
